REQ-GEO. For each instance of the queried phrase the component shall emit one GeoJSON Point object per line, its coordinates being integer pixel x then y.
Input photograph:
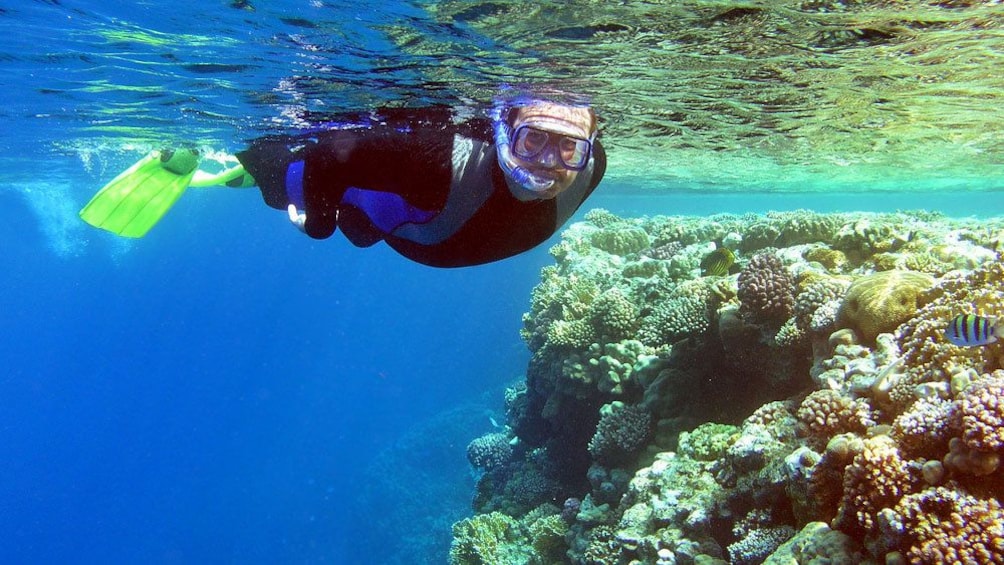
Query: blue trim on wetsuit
{"type": "Point", "coordinates": [294, 184]}
{"type": "Point", "coordinates": [386, 210]}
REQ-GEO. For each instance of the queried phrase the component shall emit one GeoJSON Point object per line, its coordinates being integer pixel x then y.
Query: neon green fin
{"type": "Point", "coordinates": [137, 199]}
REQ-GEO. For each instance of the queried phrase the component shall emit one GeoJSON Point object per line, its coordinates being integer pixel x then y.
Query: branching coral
{"type": "Point", "coordinates": [622, 431]}
{"type": "Point", "coordinates": [603, 218]}
{"type": "Point", "coordinates": [490, 451]}
{"type": "Point", "coordinates": [943, 525]}
{"type": "Point", "coordinates": [815, 294]}
{"type": "Point", "coordinates": [826, 413]}
{"type": "Point", "coordinates": [925, 428]}
{"type": "Point", "coordinates": [562, 300]}
{"type": "Point", "coordinates": [488, 539]}
{"type": "Point", "coordinates": [756, 545]}
{"type": "Point", "coordinates": [896, 413]}
{"type": "Point", "coordinates": [766, 290]}
{"type": "Point", "coordinates": [664, 252]}
{"type": "Point", "coordinates": [675, 319]}
{"type": "Point", "coordinates": [612, 316]}
{"type": "Point", "coordinates": [981, 412]}
{"type": "Point", "coordinates": [876, 479]}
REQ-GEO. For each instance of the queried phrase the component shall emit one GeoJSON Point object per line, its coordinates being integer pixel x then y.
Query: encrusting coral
{"type": "Point", "coordinates": [808, 410]}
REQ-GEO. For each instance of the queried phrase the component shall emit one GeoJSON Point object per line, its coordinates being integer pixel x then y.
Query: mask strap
{"type": "Point", "coordinates": [516, 172]}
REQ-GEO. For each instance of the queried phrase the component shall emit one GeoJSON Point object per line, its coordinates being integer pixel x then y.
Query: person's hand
{"type": "Point", "coordinates": [298, 218]}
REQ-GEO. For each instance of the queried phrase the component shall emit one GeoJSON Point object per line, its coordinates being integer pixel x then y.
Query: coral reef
{"type": "Point", "coordinates": [806, 410]}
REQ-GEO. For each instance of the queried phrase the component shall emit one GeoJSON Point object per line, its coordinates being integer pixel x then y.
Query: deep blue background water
{"type": "Point", "coordinates": [226, 389]}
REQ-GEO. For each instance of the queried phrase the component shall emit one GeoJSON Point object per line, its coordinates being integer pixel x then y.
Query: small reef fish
{"type": "Point", "coordinates": [972, 330]}
{"type": "Point", "coordinates": [718, 262]}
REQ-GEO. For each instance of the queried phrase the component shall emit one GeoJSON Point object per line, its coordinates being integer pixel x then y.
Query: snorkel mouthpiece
{"type": "Point", "coordinates": [519, 174]}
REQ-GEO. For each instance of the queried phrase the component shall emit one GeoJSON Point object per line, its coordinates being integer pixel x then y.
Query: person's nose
{"type": "Point", "coordinates": [549, 158]}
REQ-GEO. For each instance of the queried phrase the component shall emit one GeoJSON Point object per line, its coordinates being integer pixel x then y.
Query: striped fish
{"type": "Point", "coordinates": [972, 330]}
{"type": "Point", "coordinates": [718, 262]}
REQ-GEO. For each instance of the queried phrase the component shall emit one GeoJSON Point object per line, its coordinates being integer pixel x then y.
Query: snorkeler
{"type": "Point", "coordinates": [439, 190]}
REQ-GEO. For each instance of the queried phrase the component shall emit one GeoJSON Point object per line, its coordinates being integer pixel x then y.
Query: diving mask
{"type": "Point", "coordinates": [549, 148]}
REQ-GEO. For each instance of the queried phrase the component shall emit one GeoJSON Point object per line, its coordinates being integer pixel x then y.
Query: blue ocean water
{"type": "Point", "coordinates": [226, 389]}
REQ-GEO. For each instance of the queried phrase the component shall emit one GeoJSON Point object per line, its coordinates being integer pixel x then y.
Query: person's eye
{"type": "Point", "coordinates": [534, 140]}
{"type": "Point", "coordinates": [569, 147]}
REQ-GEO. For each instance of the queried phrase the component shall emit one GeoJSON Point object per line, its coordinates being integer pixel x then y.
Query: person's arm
{"type": "Point", "coordinates": [408, 154]}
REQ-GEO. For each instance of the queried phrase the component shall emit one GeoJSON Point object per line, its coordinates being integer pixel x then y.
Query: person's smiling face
{"type": "Point", "coordinates": [560, 120]}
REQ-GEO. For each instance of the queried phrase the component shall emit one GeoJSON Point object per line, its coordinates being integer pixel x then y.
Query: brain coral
{"type": "Point", "coordinates": [880, 302]}
{"type": "Point", "coordinates": [766, 290]}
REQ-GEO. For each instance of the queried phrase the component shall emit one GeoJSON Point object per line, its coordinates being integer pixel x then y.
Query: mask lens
{"type": "Point", "coordinates": [574, 152]}
{"type": "Point", "coordinates": [530, 144]}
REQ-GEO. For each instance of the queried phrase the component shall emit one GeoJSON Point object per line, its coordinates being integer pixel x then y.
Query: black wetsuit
{"type": "Point", "coordinates": [423, 181]}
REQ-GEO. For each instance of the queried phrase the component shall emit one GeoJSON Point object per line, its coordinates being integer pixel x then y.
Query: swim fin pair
{"type": "Point", "coordinates": [137, 199]}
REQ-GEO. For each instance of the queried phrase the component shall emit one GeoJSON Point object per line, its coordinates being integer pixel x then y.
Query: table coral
{"type": "Point", "coordinates": [879, 302]}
